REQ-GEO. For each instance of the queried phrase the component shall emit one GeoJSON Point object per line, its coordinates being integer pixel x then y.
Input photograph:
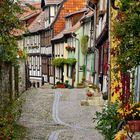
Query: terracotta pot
{"type": "Point", "coordinates": [134, 125]}
{"type": "Point", "coordinates": [61, 86]}
{"type": "Point", "coordinates": [89, 94]}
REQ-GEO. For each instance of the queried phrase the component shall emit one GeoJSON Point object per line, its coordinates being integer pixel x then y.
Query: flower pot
{"type": "Point", "coordinates": [134, 125]}
{"type": "Point", "coordinates": [89, 94]}
{"type": "Point", "coordinates": [60, 86]}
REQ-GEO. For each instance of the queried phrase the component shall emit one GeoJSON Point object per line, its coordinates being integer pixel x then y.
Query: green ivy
{"type": "Point", "coordinates": [59, 62]}
{"type": "Point", "coordinates": [84, 44]}
{"type": "Point", "coordinates": [70, 61]}
{"type": "Point", "coordinates": [127, 31]}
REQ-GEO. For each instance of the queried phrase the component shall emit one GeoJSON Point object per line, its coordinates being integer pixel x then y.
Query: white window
{"type": "Point", "coordinates": [30, 62]}
{"type": "Point", "coordinates": [69, 71]}
{"type": "Point", "coordinates": [52, 11]}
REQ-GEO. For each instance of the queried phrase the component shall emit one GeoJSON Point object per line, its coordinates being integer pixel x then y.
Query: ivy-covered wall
{"type": "Point", "coordinates": [115, 83]}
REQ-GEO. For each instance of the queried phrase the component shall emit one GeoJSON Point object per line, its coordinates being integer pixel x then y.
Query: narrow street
{"type": "Point", "coordinates": [56, 114]}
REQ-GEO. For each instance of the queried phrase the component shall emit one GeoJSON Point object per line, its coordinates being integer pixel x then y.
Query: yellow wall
{"type": "Point", "coordinates": [115, 82]}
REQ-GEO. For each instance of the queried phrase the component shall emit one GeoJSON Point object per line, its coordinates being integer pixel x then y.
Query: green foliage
{"type": "Point", "coordinates": [70, 61]}
{"type": "Point", "coordinates": [58, 82]}
{"type": "Point", "coordinates": [127, 31]}
{"type": "Point", "coordinates": [9, 129]}
{"type": "Point", "coordinates": [84, 72]}
{"type": "Point", "coordinates": [59, 62]}
{"type": "Point", "coordinates": [84, 44]}
{"type": "Point", "coordinates": [9, 21]}
{"type": "Point", "coordinates": [107, 121]}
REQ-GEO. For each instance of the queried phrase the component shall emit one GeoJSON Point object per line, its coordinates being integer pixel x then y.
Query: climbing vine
{"type": "Point", "coordinates": [84, 44]}
{"type": "Point", "coordinates": [127, 33]}
{"type": "Point", "coordinates": [9, 22]}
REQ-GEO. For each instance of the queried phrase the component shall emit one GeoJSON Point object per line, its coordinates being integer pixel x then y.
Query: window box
{"type": "Point", "coordinates": [60, 85]}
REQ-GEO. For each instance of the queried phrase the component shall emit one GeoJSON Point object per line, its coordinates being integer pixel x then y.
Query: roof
{"type": "Point", "coordinates": [67, 31]}
{"type": "Point", "coordinates": [77, 12]}
{"type": "Point", "coordinates": [73, 28]}
{"type": "Point", "coordinates": [51, 2]}
{"type": "Point", "coordinates": [38, 23]}
{"type": "Point", "coordinates": [28, 12]}
{"type": "Point", "coordinates": [88, 15]}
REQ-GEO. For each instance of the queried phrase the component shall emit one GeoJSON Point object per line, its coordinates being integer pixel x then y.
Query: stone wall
{"type": "Point", "coordinates": [5, 85]}
{"type": "Point", "coordinates": [12, 83]}
{"type": "Point", "coordinates": [22, 77]}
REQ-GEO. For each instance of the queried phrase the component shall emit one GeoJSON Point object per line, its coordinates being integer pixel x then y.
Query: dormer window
{"type": "Point", "coordinates": [68, 23]}
{"type": "Point", "coordinates": [50, 13]}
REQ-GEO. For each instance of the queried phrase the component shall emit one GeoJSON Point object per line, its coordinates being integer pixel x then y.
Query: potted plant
{"type": "Point", "coordinates": [66, 83]}
{"type": "Point", "coordinates": [131, 114]}
{"type": "Point", "coordinates": [68, 47]}
{"type": "Point", "coordinates": [105, 96]}
{"type": "Point", "coordinates": [60, 85]}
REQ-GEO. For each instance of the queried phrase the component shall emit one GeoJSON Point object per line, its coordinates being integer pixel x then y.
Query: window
{"type": "Point", "coordinates": [51, 68]}
{"type": "Point", "coordinates": [69, 71]}
{"type": "Point", "coordinates": [44, 66]}
{"type": "Point", "coordinates": [68, 23]}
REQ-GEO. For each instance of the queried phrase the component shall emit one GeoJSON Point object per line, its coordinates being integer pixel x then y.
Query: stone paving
{"type": "Point", "coordinates": [56, 114]}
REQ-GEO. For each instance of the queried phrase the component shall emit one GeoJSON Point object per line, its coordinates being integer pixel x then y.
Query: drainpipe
{"type": "Point", "coordinates": [74, 36]}
{"type": "Point", "coordinates": [93, 8]}
{"type": "Point", "coordinates": [109, 55]}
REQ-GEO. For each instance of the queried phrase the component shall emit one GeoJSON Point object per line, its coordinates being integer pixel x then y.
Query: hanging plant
{"type": "Point", "coordinates": [84, 44]}
{"type": "Point", "coordinates": [70, 61]}
{"type": "Point", "coordinates": [58, 62]}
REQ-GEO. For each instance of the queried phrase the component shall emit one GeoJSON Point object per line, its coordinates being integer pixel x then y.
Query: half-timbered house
{"type": "Point", "coordinates": [101, 45]}
{"type": "Point", "coordinates": [54, 24]}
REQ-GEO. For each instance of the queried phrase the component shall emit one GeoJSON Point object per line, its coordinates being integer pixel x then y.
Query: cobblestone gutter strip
{"type": "Point", "coordinates": [55, 134]}
{"type": "Point", "coordinates": [55, 113]}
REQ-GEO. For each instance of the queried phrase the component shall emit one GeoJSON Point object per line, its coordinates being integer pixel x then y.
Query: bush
{"type": "Point", "coordinates": [9, 129]}
{"type": "Point", "coordinates": [107, 121]}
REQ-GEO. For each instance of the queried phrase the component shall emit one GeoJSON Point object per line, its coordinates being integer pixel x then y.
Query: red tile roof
{"type": "Point", "coordinates": [71, 14]}
{"type": "Point", "coordinates": [38, 23]}
{"type": "Point", "coordinates": [28, 12]}
{"type": "Point", "coordinates": [73, 28]}
{"type": "Point", "coordinates": [67, 31]}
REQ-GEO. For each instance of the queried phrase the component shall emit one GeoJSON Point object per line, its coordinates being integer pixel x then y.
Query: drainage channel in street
{"type": "Point", "coordinates": [55, 115]}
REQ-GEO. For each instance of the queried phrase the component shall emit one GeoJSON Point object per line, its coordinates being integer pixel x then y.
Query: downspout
{"type": "Point", "coordinates": [109, 55]}
{"type": "Point", "coordinates": [74, 36]}
{"type": "Point", "coordinates": [94, 34]}
{"type": "Point", "coordinates": [53, 56]}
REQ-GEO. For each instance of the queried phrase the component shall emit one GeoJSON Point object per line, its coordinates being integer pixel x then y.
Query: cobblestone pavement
{"type": "Point", "coordinates": [56, 114]}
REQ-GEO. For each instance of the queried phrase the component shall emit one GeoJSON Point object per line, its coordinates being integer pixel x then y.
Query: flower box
{"type": "Point", "coordinates": [134, 125]}
{"type": "Point", "coordinates": [60, 85]}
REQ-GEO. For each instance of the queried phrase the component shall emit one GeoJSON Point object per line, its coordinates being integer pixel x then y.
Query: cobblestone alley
{"type": "Point", "coordinates": [56, 114]}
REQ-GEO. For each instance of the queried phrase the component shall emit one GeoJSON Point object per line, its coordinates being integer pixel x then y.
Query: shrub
{"type": "Point", "coordinates": [107, 121]}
